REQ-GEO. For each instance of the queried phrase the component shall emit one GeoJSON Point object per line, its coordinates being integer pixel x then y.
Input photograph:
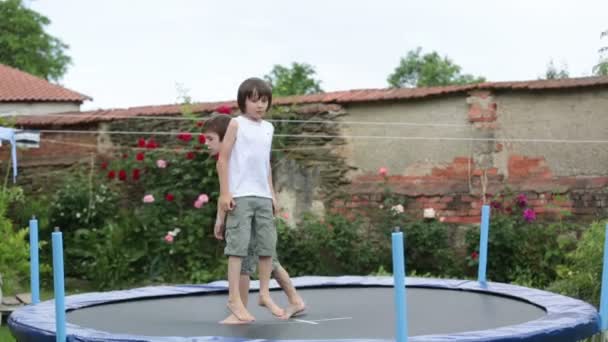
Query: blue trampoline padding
{"type": "Point", "coordinates": [567, 319]}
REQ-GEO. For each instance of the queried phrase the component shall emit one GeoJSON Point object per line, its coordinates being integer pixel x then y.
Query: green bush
{"type": "Point", "coordinates": [14, 247]}
{"type": "Point", "coordinates": [520, 249]}
{"type": "Point", "coordinates": [163, 231]}
{"type": "Point", "coordinates": [428, 250]}
{"type": "Point", "coordinates": [580, 275]}
{"type": "Point", "coordinates": [333, 246]}
{"type": "Point", "coordinates": [32, 206]}
{"type": "Point", "coordinates": [337, 246]}
{"type": "Point", "coordinates": [79, 205]}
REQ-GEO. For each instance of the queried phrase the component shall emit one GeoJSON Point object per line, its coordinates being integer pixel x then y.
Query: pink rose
{"type": "Point", "coordinates": [203, 198]}
{"type": "Point", "coordinates": [198, 204]}
{"type": "Point", "coordinates": [169, 238]}
{"type": "Point", "coordinates": [148, 199]}
{"type": "Point", "coordinates": [161, 164]}
{"type": "Point", "coordinates": [382, 171]}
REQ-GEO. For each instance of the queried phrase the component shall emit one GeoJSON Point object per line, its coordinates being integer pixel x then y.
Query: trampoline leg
{"type": "Point", "coordinates": [400, 290]}
{"type": "Point", "coordinates": [34, 268]}
{"type": "Point", "coordinates": [604, 294]}
{"type": "Point", "coordinates": [483, 244]}
{"type": "Point", "coordinates": [58, 283]}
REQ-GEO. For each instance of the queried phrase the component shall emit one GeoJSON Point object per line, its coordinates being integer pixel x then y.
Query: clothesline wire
{"type": "Point", "coordinates": [354, 137]}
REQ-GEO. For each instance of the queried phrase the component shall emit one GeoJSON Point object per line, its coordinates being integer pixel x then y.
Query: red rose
{"type": "Point", "coordinates": [216, 157]}
{"type": "Point", "coordinates": [140, 156]}
{"type": "Point", "coordinates": [169, 197]}
{"type": "Point", "coordinates": [122, 175]}
{"type": "Point", "coordinates": [190, 155]}
{"type": "Point", "coordinates": [200, 124]}
{"type": "Point", "coordinates": [151, 144]}
{"type": "Point", "coordinates": [224, 109]}
{"type": "Point", "coordinates": [141, 142]}
{"type": "Point", "coordinates": [185, 137]}
{"type": "Point", "coordinates": [104, 165]}
{"type": "Point", "coordinates": [112, 174]}
{"type": "Point", "coordinates": [125, 156]}
{"type": "Point", "coordinates": [202, 139]}
{"type": "Point", "coordinates": [136, 174]}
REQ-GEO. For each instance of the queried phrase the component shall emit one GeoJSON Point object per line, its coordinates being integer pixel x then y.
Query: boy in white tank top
{"type": "Point", "coordinates": [247, 194]}
{"type": "Point", "coordinates": [214, 130]}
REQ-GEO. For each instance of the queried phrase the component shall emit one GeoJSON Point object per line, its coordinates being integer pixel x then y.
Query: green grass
{"type": "Point", "coordinates": [5, 334]}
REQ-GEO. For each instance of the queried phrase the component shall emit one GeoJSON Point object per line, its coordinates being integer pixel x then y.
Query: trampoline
{"type": "Point", "coordinates": [339, 308]}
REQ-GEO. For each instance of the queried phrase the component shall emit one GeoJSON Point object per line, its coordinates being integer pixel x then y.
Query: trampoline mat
{"type": "Point", "coordinates": [345, 312]}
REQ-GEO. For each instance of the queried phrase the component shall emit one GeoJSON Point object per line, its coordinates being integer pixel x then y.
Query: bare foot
{"type": "Point", "coordinates": [293, 310]}
{"type": "Point", "coordinates": [270, 304]}
{"type": "Point", "coordinates": [239, 310]}
{"type": "Point", "coordinates": [233, 320]}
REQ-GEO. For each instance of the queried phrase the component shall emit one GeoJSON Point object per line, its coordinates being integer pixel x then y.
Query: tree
{"type": "Point", "coordinates": [26, 46]}
{"type": "Point", "coordinates": [417, 70]}
{"type": "Point", "coordinates": [553, 73]}
{"type": "Point", "coordinates": [601, 69]}
{"type": "Point", "coordinates": [297, 80]}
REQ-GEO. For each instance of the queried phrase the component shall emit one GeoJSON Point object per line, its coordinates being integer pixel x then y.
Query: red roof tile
{"type": "Point", "coordinates": [337, 97]}
{"type": "Point", "coordinates": [19, 86]}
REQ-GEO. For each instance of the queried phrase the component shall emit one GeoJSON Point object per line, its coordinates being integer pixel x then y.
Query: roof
{"type": "Point", "coordinates": [336, 97]}
{"type": "Point", "coordinates": [370, 95]}
{"type": "Point", "coordinates": [19, 86]}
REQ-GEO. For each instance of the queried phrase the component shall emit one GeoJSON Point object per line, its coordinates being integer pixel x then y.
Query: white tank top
{"type": "Point", "coordinates": [249, 165]}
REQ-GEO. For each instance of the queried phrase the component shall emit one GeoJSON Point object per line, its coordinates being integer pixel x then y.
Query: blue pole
{"type": "Point", "coordinates": [58, 285]}
{"type": "Point", "coordinates": [604, 294]}
{"type": "Point", "coordinates": [34, 265]}
{"type": "Point", "coordinates": [483, 244]}
{"type": "Point", "coordinates": [400, 292]}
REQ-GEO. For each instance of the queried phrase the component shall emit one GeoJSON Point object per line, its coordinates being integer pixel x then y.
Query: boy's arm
{"type": "Point", "coordinates": [220, 224]}
{"type": "Point", "coordinates": [225, 201]}
{"type": "Point", "coordinates": [275, 207]}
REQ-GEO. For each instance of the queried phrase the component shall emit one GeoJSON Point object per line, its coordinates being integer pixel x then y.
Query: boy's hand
{"type": "Point", "coordinates": [218, 230]}
{"type": "Point", "coordinates": [226, 203]}
{"type": "Point", "coordinates": [275, 206]}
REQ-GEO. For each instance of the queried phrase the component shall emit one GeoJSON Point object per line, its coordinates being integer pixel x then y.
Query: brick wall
{"type": "Point", "coordinates": [454, 179]}
{"type": "Point", "coordinates": [456, 190]}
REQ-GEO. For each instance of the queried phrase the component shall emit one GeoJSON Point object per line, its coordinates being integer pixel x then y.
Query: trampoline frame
{"type": "Point", "coordinates": [567, 319]}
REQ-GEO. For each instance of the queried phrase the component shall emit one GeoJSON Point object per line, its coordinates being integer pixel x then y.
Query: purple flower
{"type": "Point", "coordinates": [522, 200]}
{"type": "Point", "coordinates": [529, 215]}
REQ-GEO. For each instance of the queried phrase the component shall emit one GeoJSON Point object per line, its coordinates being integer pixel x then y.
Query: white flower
{"type": "Point", "coordinates": [398, 209]}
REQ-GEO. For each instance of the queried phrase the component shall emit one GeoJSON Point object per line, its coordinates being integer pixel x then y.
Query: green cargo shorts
{"type": "Point", "coordinates": [250, 264]}
{"type": "Point", "coordinates": [251, 215]}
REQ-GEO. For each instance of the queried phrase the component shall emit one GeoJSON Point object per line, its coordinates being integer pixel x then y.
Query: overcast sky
{"type": "Point", "coordinates": [135, 52]}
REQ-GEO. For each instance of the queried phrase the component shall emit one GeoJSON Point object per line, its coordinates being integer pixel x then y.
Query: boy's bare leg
{"type": "Point", "coordinates": [235, 305]}
{"type": "Point", "coordinates": [265, 268]}
{"type": "Point", "coordinates": [296, 303]}
{"type": "Point", "coordinates": [244, 291]}
{"type": "Point", "coordinates": [244, 288]}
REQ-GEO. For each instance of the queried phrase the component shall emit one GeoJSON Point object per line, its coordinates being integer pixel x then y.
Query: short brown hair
{"type": "Point", "coordinates": [253, 88]}
{"type": "Point", "coordinates": [218, 124]}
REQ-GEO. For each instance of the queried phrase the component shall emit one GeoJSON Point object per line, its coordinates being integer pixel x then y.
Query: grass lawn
{"type": "Point", "coordinates": [5, 335]}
